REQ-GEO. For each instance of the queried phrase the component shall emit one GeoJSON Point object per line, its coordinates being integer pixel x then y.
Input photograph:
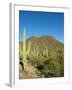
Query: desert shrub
{"type": "Point", "coordinates": [36, 60]}
{"type": "Point", "coordinates": [51, 66]}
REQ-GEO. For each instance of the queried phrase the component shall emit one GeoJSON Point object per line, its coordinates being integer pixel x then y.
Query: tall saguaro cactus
{"type": "Point", "coordinates": [25, 51]}
{"type": "Point", "coordinates": [24, 44]}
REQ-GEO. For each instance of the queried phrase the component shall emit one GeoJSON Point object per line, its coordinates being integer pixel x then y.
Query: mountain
{"type": "Point", "coordinates": [46, 54]}
{"type": "Point", "coordinates": [44, 44]}
{"type": "Point", "coordinates": [45, 40]}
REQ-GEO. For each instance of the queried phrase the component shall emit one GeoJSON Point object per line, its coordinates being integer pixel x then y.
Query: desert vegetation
{"type": "Point", "coordinates": [45, 58]}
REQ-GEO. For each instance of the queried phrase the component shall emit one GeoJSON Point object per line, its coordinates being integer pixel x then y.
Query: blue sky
{"type": "Point", "coordinates": [41, 23]}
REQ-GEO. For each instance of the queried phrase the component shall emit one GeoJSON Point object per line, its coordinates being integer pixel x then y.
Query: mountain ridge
{"type": "Point", "coordinates": [43, 36]}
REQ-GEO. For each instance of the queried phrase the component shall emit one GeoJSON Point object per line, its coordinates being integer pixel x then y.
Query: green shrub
{"type": "Point", "coordinates": [51, 66]}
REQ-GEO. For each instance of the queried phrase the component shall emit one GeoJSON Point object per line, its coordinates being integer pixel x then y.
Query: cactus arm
{"type": "Point", "coordinates": [21, 52]}
{"type": "Point", "coordinates": [28, 50]}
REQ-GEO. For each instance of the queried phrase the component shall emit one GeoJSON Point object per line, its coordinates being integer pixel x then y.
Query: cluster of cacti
{"type": "Point", "coordinates": [44, 52]}
{"type": "Point", "coordinates": [35, 51]}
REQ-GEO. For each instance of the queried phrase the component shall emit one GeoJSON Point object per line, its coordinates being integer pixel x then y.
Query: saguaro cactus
{"type": "Point", "coordinates": [24, 44]}
{"type": "Point", "coordinates": [25, 52]}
